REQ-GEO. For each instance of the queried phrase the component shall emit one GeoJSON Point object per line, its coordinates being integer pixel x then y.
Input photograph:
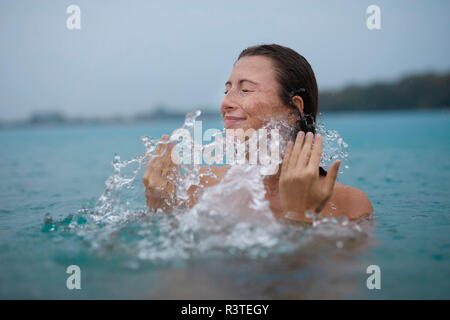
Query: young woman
{"type": "Point", "coordinates": [270, 81]}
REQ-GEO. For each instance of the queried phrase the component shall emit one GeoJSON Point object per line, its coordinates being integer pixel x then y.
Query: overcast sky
{"type": "Point", "coordinates": [129, 56]}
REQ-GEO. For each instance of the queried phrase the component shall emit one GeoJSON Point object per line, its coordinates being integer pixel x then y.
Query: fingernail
{"type": "Point", "coordinates": [309, 134]}
{"type": "Point", "coordinates": [300, 134]}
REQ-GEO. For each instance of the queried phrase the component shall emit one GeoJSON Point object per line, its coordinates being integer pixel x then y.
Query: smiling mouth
{"type": "Point", "coordinates": [229, 121]}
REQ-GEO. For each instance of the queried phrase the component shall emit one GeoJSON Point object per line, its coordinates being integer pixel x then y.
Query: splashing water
{"type": "Point", "coordinates": [230, 218]}
{"type": "Point", "coordinates": [334, 146]}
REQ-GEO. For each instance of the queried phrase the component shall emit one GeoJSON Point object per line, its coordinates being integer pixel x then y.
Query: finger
{"type": "Point", "coordinates": [168, 169]}
{"type": "Point", "coordinates": [316, 151]}
{"type": "Point", "coordinates": [304, 156]}
{"type": "Point", "coordinates": [157, 162]}
{"type": "Point", "coordinates": [145, 180]}
{"type": "Point", "coordinates": [161, 146]}
{"type": "Point", "coordinates": [166, 160]}
{"type": "Point", "coordinates": [296, 151]}
{"type": "Point", "coordinates": [287, 156]}
{"type": "Point", "coordinates": [154, 171]}
{"type": "Point", "coordinates": [169, 148]}
{"type": "Point", "coordinates": [332, 176]}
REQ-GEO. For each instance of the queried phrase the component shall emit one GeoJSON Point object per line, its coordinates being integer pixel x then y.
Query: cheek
{"type": "Point", "coordinates": [265, 108]}
{"type": "Point", "coordinates": [256, 112]}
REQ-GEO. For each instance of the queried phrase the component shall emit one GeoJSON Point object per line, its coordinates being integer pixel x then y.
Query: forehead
{"type": "Point", "coordinates": [257, 68]}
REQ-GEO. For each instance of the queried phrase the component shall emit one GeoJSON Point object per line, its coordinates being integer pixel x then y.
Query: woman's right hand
{"type": "Point", "coordinates": [160, 191]}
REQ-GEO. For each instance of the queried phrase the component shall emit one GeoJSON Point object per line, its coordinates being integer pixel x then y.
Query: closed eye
{"type": "Point", "coordinates": [243, 90]}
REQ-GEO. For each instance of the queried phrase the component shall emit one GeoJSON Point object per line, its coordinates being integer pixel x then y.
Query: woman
{"type": "Point", "coordinates": [270, 81]}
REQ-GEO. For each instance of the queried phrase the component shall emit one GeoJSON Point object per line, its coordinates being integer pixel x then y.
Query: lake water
{"type": "Point", "coordinates": [52, 178]}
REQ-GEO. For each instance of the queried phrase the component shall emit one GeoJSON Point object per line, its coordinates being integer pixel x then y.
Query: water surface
{"type": "Point", "coordinates": [52, 178]}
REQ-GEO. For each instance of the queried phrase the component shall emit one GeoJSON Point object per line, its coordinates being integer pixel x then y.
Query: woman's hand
{"type": "Point", "coordinates": [160, 191]}
{"type": "Point", "coordinates": [301, 187]}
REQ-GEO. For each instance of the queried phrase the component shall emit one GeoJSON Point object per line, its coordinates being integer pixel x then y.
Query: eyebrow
{"type": "Point", "coordinates": [240, 81]}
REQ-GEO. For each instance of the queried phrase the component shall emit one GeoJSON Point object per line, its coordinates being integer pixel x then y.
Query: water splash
{"type": "Point", "coordinates": [231, 217]}
{"type": "Point", "coordinates": [334, 146]}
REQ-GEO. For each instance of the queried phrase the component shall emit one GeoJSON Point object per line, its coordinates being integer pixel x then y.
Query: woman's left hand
{"type": "Point", "coordinates": [301, 188]}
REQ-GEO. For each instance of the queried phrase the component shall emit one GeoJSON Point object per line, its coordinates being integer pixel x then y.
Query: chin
{"type": "Point", "coordinates": [236, 125]}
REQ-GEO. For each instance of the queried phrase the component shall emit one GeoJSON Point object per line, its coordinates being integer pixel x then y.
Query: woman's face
{"type": "Point", "coordinates": [251, 95]}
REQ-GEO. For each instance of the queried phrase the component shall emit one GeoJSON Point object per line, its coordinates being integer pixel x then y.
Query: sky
{"type": "Point", "coordinates": [130, 56]}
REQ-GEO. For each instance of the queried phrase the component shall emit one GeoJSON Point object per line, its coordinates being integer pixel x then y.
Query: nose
{"type": "Point", "coordinates": [228, 105]}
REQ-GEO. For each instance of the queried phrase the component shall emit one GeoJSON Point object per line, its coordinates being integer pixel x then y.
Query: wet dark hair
{"type": "Point", "coordinates": [295, 77]}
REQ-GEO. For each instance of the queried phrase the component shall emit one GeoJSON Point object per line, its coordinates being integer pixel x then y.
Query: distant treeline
{"type": "Point", "coordinates": [419, 91]}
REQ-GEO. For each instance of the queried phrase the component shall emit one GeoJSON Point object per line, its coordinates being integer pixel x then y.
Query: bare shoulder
{"type": "Point", "coordinates": [350, 201]}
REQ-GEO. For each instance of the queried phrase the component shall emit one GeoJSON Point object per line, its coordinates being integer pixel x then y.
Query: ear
{"type": "Point", "coordinates": [298, 103]}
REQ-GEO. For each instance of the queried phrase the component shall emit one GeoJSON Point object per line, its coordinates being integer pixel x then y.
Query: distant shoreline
{"type": "Point", "coordinates": [218, 118]}
{"type": "Point", "coordinates": [425, 91]}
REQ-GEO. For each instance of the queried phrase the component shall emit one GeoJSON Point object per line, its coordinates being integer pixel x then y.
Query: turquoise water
{"type": "Point", "coordinates": [52, 178]}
